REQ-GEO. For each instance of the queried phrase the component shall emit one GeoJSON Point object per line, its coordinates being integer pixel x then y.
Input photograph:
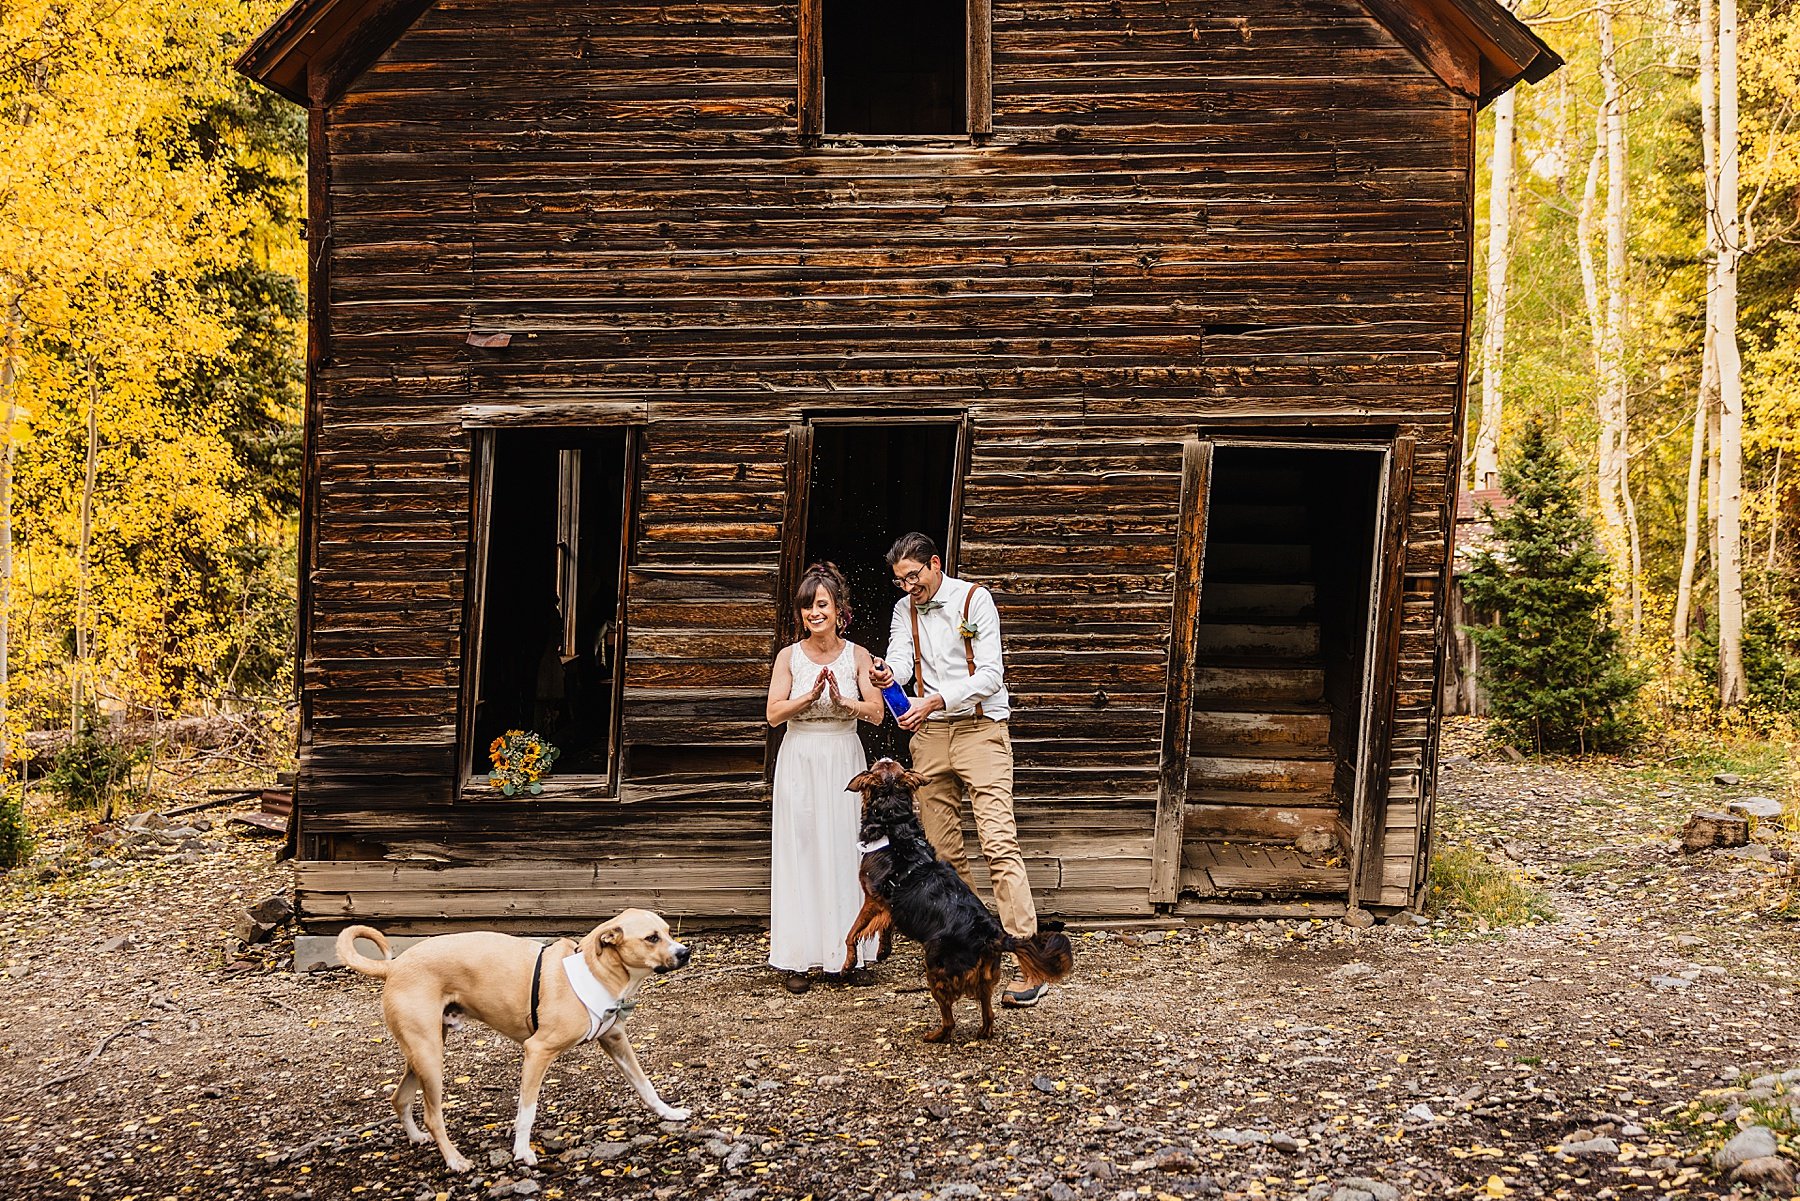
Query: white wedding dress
{"type": "Point", "coordinates": [814, 894]}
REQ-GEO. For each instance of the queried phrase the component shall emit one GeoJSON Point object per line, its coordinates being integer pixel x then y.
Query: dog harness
{"type": "Point", "coordinates": [603, 1008]}
{"type": "Point", "coordinates": [880, 844]}
{"type": "Point", "coordinates": [537, 977]}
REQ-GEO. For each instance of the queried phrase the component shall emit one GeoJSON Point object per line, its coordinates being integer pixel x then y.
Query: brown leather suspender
{"type": "Point", "coordinates": [918, 658]}
{"type": "Point", "coordinates": [969, 641]}
{"type": "Point", "coordinates": [968, 648]}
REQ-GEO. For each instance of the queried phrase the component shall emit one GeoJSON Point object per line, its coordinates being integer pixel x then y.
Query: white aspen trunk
{"type": "Point", "coordinates": [1690, 540]}
{"type": "Point", "coordinates": [1606, 443]}
{"type": "Point", "coordinates": [1732, 689]}
{"type": "Point", "coordinates": [1493, 333]}
{"type": "Point", "coordinates": [1635, 544]}
{"type": "Point", "coordinates": [1711, 383]}
{"type": "Point", "coordinates": [1584, 242]}
{"type": "Point", "coordinates": [1704, 403]}
{"type": "Point", "coordinates": [1614, 421]}
{"type": "Point", "coordinates": [1690, 546]}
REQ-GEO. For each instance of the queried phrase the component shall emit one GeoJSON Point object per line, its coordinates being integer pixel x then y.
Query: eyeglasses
{"type": "Point", "coordinates": [903, 582]}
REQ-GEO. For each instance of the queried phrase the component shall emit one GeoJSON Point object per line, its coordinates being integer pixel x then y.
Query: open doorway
{"type": "Point", "coordinates": [871, 482]}
{"type": "Point", "coordinates": [550, 610]}
{"type": "Point", "coordinates": [1282, 654]}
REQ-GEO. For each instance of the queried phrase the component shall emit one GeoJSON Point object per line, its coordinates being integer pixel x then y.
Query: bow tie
{"type": "Point", "coordinates": [928, 606]}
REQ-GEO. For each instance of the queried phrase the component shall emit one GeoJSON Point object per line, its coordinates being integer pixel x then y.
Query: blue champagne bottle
{"type": "Point", "coordinates": [897, 700]}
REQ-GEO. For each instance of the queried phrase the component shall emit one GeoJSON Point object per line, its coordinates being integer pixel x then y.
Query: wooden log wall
{"type": "Point", "coordinates": [1188, 217]}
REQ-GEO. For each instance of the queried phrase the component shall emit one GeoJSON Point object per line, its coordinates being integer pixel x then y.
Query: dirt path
{"type": "Point", "coordinates": [1276, 1060]}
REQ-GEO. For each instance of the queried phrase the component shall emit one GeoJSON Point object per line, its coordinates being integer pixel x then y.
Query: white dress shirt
{"type": "Point", "coordinates": [944, 660]}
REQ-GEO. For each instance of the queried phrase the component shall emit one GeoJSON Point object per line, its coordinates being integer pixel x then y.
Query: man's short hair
{"type": "Point", "coordinates": [914, 546]}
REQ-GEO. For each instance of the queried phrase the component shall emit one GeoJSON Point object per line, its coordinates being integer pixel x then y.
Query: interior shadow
{"type": "Point", "coordinates": [871, 484]}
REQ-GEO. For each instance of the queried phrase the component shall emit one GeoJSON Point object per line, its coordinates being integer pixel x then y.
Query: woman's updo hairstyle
{"type": "Point", "coordinates": [826, 576]}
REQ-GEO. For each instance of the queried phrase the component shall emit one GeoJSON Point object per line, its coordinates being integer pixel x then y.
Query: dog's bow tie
{"type": "Point", "coordinates": [928, 606]}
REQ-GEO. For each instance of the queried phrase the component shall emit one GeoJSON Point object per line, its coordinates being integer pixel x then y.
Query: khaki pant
{"type": "Point", "coordinates": [976, 755]}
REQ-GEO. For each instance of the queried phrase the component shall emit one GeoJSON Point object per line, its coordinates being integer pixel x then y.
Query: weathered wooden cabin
{"type": "Point", "coordinates": [1155, 310]}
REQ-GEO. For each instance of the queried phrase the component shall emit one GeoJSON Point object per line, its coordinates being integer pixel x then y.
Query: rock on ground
{"type": "Point", "coordinates": [1767, 1172]}
{"type": "Point", "coordinates": [1756, 1142]}
{"type": "Point", "coordinates": [1706, 830]}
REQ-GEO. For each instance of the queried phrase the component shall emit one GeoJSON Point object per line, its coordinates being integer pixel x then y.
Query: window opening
{"type": "Point", "coordinates": [895, 68]}
{"type": "Point", "coordinates": [550, 628]}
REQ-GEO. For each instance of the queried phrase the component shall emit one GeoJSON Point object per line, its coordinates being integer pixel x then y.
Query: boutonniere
{"type": "Point", "coordinates": [968, 630]}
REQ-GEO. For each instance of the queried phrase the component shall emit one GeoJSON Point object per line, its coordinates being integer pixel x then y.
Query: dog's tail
{"type": "Point", "coordinates": [354, 959]}
{"type": "Point", "coordinates": [1045, 956]}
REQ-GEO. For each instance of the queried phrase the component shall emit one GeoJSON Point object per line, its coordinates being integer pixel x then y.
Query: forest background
{"type": "Point", "coordinates": [152, 322]}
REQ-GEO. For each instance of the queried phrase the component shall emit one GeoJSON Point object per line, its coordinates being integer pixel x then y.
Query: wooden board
{"type": "Point", "coordinates": [1178, 704]}
{"type": "Point", "coordinates": [1367, 861]}
{"type": "Point", "coordinates": [1221, 868]}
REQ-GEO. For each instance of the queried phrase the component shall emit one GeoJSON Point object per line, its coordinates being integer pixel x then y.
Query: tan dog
{"type": "Point", "coordinates": [523, 991]}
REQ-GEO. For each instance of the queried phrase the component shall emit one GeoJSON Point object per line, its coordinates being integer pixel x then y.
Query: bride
{"type": "Point", "coordinates": [817, 687]}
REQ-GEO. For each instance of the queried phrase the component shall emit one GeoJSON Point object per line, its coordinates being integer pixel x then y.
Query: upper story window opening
{"type": "Point", "coordinates": [896, 68]}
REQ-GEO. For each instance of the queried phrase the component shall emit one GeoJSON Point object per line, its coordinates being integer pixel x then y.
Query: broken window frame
{"type": "Point", "coordinates": [472, 777]}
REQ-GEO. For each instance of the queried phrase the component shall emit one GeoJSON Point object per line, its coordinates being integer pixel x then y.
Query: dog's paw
{"type": "Point", "coordinates": [418, 1138]}
{"type": "Point", "coordinates": [457, 1163]}
{"type": "Point", "coordinates": [670, 1113]}
{"type": "Point", "coordinates": [528, 1157]}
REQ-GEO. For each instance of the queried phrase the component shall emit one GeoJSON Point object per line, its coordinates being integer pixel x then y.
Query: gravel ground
{"type": "Point", "coordinates": [1600, 1054]}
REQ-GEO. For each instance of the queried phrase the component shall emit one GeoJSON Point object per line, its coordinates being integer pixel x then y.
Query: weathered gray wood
{"type": "Point", "coordinates": [810, 121]}
{"type": "Point", "coordinates": [628, 522]}
{"type": "Point", "coordinates": [793, 554]}
{"type": "Point", "coordinates": [475, 606]}
{"type": "Point", "coordinates": [584, 414]}
{"type": "Point", "coordinates": [1178, 687]}
{"type": "Point", "coordinates": [1369, 820]}
{"type": "Point", "coordinates": [1451, 56]}
{"type": "Point", "coordinates": [981, 68]}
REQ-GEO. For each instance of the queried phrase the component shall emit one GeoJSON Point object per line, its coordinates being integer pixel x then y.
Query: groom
{"type": "Point", "coordinates": [945, 639]}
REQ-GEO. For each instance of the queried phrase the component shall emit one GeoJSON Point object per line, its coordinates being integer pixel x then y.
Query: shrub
{"type": "Point", "coordinates": [15, 831]}
{"type": "Point", "coordinates": [1555, 675]}
{"type": "Point", "coordinates": [90, 771]}
{"type": "Point", "coordinates": [1771, 663]}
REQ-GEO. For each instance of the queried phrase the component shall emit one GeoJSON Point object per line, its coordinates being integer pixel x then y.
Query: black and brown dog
{"type": "Point", "coordinates": [908, 888]}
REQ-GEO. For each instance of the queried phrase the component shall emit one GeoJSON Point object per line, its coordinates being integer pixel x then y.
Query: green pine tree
{"type": "Point", "coordinates": [1555, 676]}
{"type": "Point", "coordinates": [15, 830]}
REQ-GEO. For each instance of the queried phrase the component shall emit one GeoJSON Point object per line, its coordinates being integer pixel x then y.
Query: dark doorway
{"type": "Point", "coordinates": [1281, 657]}
{"type": "Point", "coordinates": [870, 484]}
{"type": "Point", "coordinates": [550, 629]}
{"type": "Point", "coordinates": [895, 68]}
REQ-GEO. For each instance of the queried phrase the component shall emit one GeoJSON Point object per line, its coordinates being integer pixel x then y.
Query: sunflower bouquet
{"type": "Point", "coordinates": [521, 760]}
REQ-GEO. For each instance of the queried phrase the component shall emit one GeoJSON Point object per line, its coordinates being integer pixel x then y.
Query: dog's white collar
{"type": "Point", "coordinates": [878, 845]}
{"type": "Point", "coordinates": [602, 1006]}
